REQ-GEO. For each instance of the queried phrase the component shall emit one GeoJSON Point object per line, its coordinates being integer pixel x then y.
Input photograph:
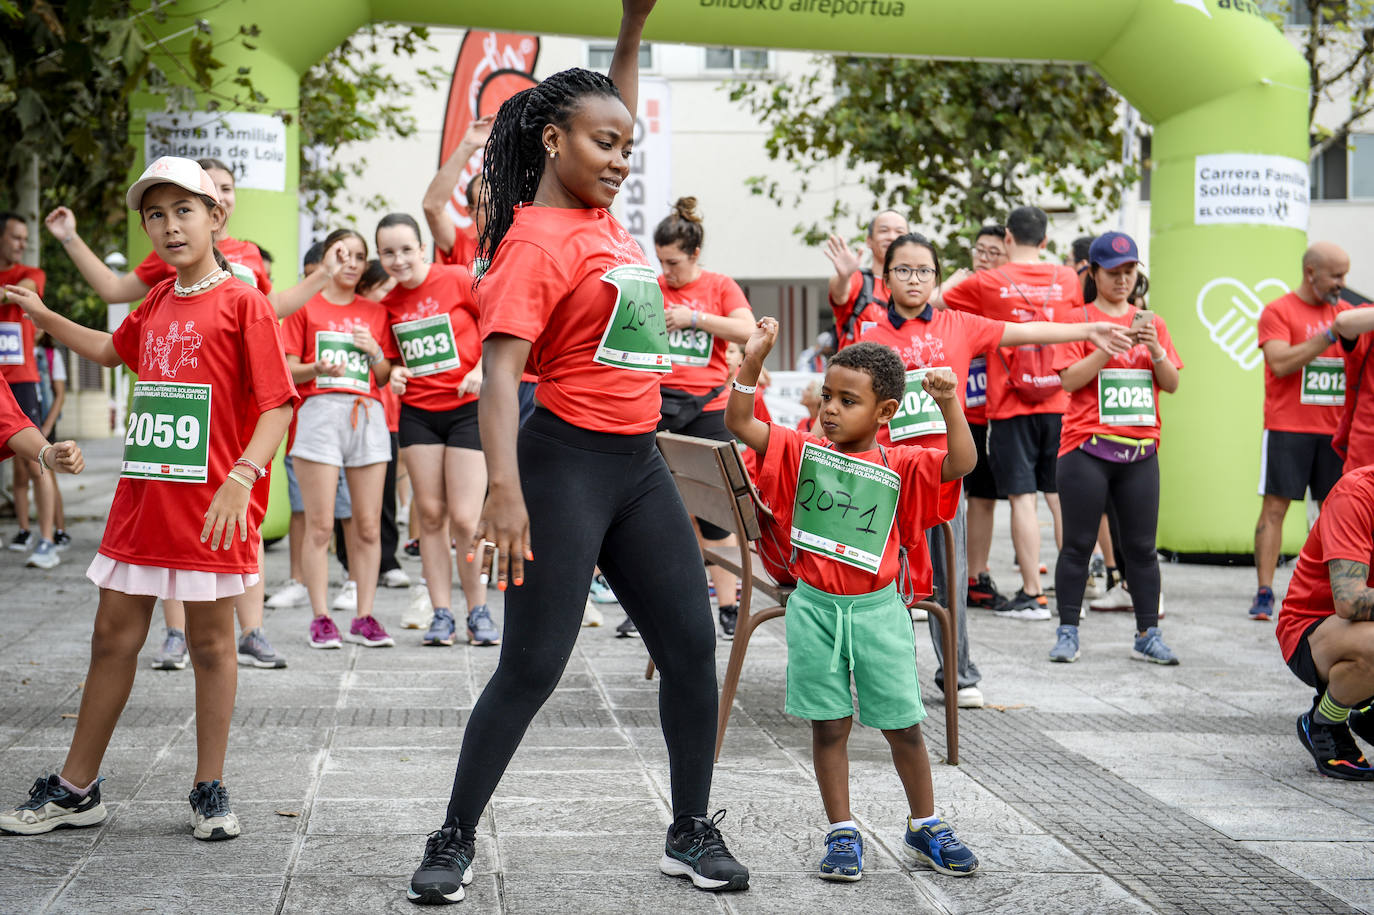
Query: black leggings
{"type": "Point", "coordinates": [1086, 483]}
{"type": "Point", "coordinates": [596, 498]}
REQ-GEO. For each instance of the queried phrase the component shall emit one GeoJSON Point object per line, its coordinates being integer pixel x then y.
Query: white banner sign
{"type": "Point", "coordinates": [647, 194]}
{"type": "Point", "coordinates": [784, 393]}
{"type": "Point", "coordinates": [1252, 189]}
{"type": "Point", "coordinates": [252, 145]}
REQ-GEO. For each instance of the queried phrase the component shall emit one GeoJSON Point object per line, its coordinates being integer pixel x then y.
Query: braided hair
{"type": "Point", "coordinates": [514, 159]}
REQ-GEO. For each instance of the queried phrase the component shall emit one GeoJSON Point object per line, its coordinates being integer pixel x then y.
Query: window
{"type": "Point", "coordinates": [736, 59]}
{"type": "Point", "coordinates": [1362, 165]}
{"type": "Point", "coordinates": [599, 56]}
{"type": "Point", "coordinates": [1329, 173]}
{"type": "Point", "coordinates": [1147, 148]}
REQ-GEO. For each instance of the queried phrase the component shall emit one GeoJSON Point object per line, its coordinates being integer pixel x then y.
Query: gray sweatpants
{"type": "Point", "coordinates": [955, 592]}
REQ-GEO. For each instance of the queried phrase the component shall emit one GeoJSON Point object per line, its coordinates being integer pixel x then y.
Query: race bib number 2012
{"type": "Point", "coordinates": [844, 508]}
{"type": "Point", "coordinates": [1323, 382]}
{"type": "Point", "coordinates": [168, 435]}
{"type": "Point", "coordinates": [636, 336]}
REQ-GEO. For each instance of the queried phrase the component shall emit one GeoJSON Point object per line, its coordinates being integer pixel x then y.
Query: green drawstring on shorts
{"type": "Point", "coordinates": [844, 625]}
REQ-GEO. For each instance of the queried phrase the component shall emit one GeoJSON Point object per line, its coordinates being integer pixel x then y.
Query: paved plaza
{"type": "Point", "coordinates": [1103, 786]}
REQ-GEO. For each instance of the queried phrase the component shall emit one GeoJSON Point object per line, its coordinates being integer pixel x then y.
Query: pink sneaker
{"type": "Point", "coordinates": [366, 631]}
{"type": "Point", "coordinates": [324, 634]}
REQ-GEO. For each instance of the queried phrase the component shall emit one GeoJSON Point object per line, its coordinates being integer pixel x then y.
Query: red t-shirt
{"type": "Point", "coordinates": [1359, 396]}
{"type": "Point", "coordinates": [244, 255]}
{"type": "Point", "coordinates": [12, 420]}
{"type": "Point", "coordinates": [16, 330]}
{"type": "Point", "coordinates": [1344, 530]}
{"type": "Point", "coordinates": [227, 338]}
{"type": "Point", "coordinates": [546, 285]}
{"type": "Point", "coordinates": [1083, 418]}
{"type": "Point", "coordinates": [1002, 295]}
{"type": "Point", "coordinates": [461, 254]}
{"type": "Point", "coordinates": [712, 294]}
{"type": "Point", "coordinates": [1290, 319]}
{"type": "Point", "coordinates": [299, 329]}
{"type": "Point", "coordinates": [917, 510]}
{"type": "Point", "coordinates": [444, 291]}
{"type": "Point", "coordinates": [869, 315]}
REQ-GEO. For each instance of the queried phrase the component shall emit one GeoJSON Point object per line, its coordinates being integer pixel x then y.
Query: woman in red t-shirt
{"type": "Point", "coordinates": [569, 294]}
{"type": "Point", "coordinates": [1109, 445]}
{"type": "Point", "coordinates": [212, 401]}
{"type": "Point", "coordinates": [437, 350]}
{"type": "Point", "coordinates": [334, 348]}
{"type": "Point", "coordinates": [704, 312]}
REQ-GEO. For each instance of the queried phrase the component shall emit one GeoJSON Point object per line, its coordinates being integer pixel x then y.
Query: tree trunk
{"type": "Point", "coordinates": [26, 200]}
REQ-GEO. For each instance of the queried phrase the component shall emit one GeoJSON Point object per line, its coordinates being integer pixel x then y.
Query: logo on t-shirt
{"type": "Point", "coordinates": [624, 249]}
{"type": "Point", "coordinates": [424, 309]}
{"type": "Point", "coordinates": [176, 348]}
{"type": "Point", "coordinates": [924, 352]}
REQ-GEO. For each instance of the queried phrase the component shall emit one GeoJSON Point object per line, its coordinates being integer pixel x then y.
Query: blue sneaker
{"type": "Point", "coordinates": [601, 592]}
{"type": "Point", "coordinates": [1065, 648]}
{"type": "Point", "coordinates": [481, 629]}
{"type": "Point", "coordinates": [844, 855]}
{"type": "Point", "coordinates": [441, 628]}
{"type": "Point", "coordinates": [1262, 607]}
{"type": "Point", "coordinates": [938, 848]}
{"type": "Point", "coordinates": [1150, 647]}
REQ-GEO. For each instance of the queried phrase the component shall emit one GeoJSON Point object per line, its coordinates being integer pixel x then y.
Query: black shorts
{"type": "Point", "coordinates": [452, 428]}
{"type": "Point", "coordinates": [26, 393]}
{"type": "Point", "coordinates": [979, 483]}
{"type": "Point", "coordinates": [709, 424]}
{"type": "Point", "coordinates": [1293, 462]}
{"type": "Point", "coordinates": [1302, 665]}
{"type": "Point", "coordinates": [1023, 452]}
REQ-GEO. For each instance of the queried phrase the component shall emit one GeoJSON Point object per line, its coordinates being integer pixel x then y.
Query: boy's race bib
{"type": "Point", "coordinates": [636, 336]}
{"type": "Point", "coordinates": [844, 507]}
{"type": "Point", "coordinates": [427, 345]}
{"type": "Point", "coordinates": [168, 436]}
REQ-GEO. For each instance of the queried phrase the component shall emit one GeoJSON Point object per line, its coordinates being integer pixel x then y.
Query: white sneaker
{"type": "Point", "coordinates": [1094, 589]}
{"type": "Point", "coordinates": [347, 600]}
{"type": "Point", "coordinates": [419, 611]}
{"type": "Point", "coordinates": [1117, 599]}
{"type": "Point", "coordinates": [969, 697]}
{"type": "Point", "coordinates": [591, 616]}
{"type": "Point", "coordinates": [44, 556]}
{"type": "Point", "coordinates": [395, 578]}
{"type": "Point", "coordinates": [919, 615]}
{"type": "Point", "coordinates": [292, 594]}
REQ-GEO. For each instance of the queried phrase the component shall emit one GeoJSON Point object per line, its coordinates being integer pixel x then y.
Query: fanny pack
{"type": "Point", "coordinates": [679, 408]}
{"type": "Point", "coordinates": [1119, 449]}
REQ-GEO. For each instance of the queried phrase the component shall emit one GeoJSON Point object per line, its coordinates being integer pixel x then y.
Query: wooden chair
{"type": "Point", "coordinates": [715, 487]}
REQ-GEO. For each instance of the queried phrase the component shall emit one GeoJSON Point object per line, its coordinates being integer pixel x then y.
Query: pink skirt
{"type": "Point", "coordinates": [168, 584]}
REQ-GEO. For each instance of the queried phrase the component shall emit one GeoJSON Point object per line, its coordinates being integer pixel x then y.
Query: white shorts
{"type": "Point", "coordinates": [168, 584]}
{"type": "Point", "coordinates": [343, 430]}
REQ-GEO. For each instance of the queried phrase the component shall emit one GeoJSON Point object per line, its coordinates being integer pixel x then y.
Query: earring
{"type": "Point", "coordinates": [550, 150]}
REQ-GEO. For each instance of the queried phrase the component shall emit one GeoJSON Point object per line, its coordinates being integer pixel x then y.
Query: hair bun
{"type": "Point", "coordinates": [686, 208]}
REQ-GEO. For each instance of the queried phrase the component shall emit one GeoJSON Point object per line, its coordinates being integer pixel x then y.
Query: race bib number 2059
{"type": "Point", "coordinates": [168, 435]}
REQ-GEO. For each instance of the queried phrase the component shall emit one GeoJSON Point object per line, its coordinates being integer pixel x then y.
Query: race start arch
{"type": "Point", "coordinates": [1224, 91]}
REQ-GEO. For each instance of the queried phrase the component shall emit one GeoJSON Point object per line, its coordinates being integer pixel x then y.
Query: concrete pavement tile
{"type": "Point", "coordinates": [631, 783]}
{"type": "Point", "coordinates": [1323, 824]}
{"type": "Point", "coordinates": [27, 894]}
{"type": "Point", "coordinates": [1323, 860]}
{"type": "Point", "coordinates": [47, 856]}
{"type": "Point", "coordinates": [386, 782]}
{"type": "Point", "coordinates": [630, 853]}
{"type": "Point", "coordinates": [751, 783]}
{"type": "Point", "coordinates": [646, 893]}
{"type": "Point", "coordinates": [1230, 791]}
{"type": "Point", "coordinates": [173, 856]}
{"type": "Point", "coordinates": [143, 819]}
{"type": "Point", "coordinates": [359, 697]}
{"type": "Point", "coordinates": [797, 849]}
{"type": "Point", "coordinates": [104, 894]}
{"type": "Point", "coordinates": [122, 769]}
{"type": "Point", "coordinates": [579, 737]}
{"type": "Point", "coordinates": [398, 737]}
{"type": "Point", "coordinates": [378, 759]}
{"type": "Point", "coordinates": [405, 679]}
{"type": "Point", "coordinates": [58, 735]}
{"type": "Point", "coordinates": [1021, 854]}
{"type": "Point", "coordinates": [562, 759]}
{"type": "Point", "coordinates": [276, 738]}
{"type": "Point", "coordinates": [1359, 893]}
{"type": "Point", "coordinates": [348, 893]}
{"type": "Point", "coordinates": [991, 815]}
{"type": "Point", "coordinates": [372, 855]}
{"type": "Point", "coordinates": [777, 894]}
{"type": "Point", "coordinates": [404, 656]}
{"type": "Point", "coordinates": [413, 816]}
{"type": "Point", "coordinates": [1029, 894]}
{"type": "Point", "coordinates": [577, 816]}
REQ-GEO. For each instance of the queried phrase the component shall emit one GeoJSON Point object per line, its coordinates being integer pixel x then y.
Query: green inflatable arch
{"type": "Point", "coordinates": [1225, 93]}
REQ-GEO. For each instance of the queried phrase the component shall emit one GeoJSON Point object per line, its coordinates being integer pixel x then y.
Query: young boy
{"type": "Point", "coordinates": [847, 505]}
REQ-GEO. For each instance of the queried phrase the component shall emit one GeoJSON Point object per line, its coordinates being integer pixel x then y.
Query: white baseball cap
{"type": "Point", "coordinates": [184, 173]}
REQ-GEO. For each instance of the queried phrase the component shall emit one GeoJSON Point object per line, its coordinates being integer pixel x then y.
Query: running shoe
{"type": "Point", "coordinates": [442, 628]}
{"type": "Point", "coordinates": [844, 855]}
{"type": "Point", "coordinates": [937, 847]}
{"type": "Point", "coordinates": [256, 651]}
{"type": "Point", "coordinates": [601, 592]}
{"type": "Point", "coordinates": [627, 630]}
{"type": "Point", "coordinates": [21, 541]}
{"type": "Point", "coordinates": [699, 854]}
{"type": "Point", "coordinates": [1097, 579]}
{"type": "Point", "coordinates": [411, 549]}
{"type": "Point", "coordinates": [1362, 723]}
{"type": "Point", "coordinates": [481, 629]}
{"type": "Point", "coordinates": [1262, 607]}
{"type": "Point", "coordinates": [1150, 647]}
{"type": "Point", "coordinates": [969, 697]}
{"type": "Point", "coordinates": [347, 601]}
{"type": "Point", "coordinates": [444, 870]}
{"type": "Point", "coordinates": [172, 655]}
{"type": "Point", "coordinates": [44, 556]}
{"type": "Point", "coordinates": [982, 592]}
{"type": "Point", "coordinates": [1117, 599]}
{"type": "Point", "coordinates": [1065, 648]}
{"type": "Point", "coordinates": [61, 539]}
{"type": "Point", "coordinates": [324, 634]}
{"type": "Point", "coordinates": [394, 578]}
{"type": "Point", "coordinates": [419, 611]}
{"type": "Point", "coordinates": [292, 594]}
{"type": "Point", "coordinates": [366, 631]}
{"type": "Point", "coordinates": [1026, 607]}
{"type": "Point", "coordinates": [51, 806]}
{"type": "Point", "coordinates": [1334, 750]}
{"type": "Point", "coordinates": [729, 616]}
{"type": "Point", "coordinates": [591, 615]}
{"type": "Point", "coordinates": [211, 818]}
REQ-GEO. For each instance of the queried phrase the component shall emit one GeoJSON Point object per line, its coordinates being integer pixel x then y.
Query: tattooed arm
{"type": "Point", "coordinates": [1354, 598]}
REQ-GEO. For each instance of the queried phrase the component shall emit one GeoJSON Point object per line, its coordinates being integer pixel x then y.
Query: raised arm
{"type": "Point", "coordinates": [435, 202]}
{"type": "Point", "coordinates": [942, 385]}
{"type": "Point", "coordinates": [1354, 321]}
{"type": "Point", "coordinates": [1102, 334]}
{"type": "Point", "coordinates": [95, 345]}
{"type": "Point", "coordinates": [625, 62]}
{"type": "Point", "coordinates": [1353, 597]}
{"type": "Point", "coordinates": [110, 286]}
{"type": "Point", "coordinates": [739, 409]}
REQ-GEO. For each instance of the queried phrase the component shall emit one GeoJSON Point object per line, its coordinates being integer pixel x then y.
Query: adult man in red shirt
{"type": "Point", "coordinates": [1325, 632]}
{"type": "Point", "coordinates": [859, 297]}
{"type": "Point", "coordinates": [1304, 393]}
{"type": "Point", "coordinates": [1355, 437]}
{"type": "Point", "coordinates": [1023, 434]}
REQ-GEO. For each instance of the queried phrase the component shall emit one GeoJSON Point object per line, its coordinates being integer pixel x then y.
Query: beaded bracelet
{"type": "Point", "coordinates": [258, 472]}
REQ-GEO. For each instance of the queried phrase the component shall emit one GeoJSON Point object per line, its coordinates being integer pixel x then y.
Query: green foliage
{"type": "Point", "coordinates": [1337, 41]}
{"type": "Point", "coordinates": [956, 144]}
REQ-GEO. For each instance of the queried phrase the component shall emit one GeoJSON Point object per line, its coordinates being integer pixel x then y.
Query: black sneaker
{"type": "Point", "coordinates": [445, 869]}
{"type": "Point", "coordinates": [627, 630]}
{"type": "Point", "coordinates": [211, 818]}
{"type": "Point", "coordinates": [51, 806]}
{"type": "Point", "coordinates": [1362, 723]}
{"type": "Point", "coordinates": [728, 617]}
{"type": "Point", "coordinates": [699, 853]}
{"type": "Point", "coordinates": [412, 549]}
{"type": "Point", "coordinates": [61, 539]}
{"type": "Point", "coordinates": [1334, 750]}
{"type": "Point", "coordinates": [20, 543]}
{"type": "Point", "coordinates": [982, 592]}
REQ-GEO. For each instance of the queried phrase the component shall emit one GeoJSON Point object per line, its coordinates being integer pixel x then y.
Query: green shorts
{"type": "Point", "coordinates": [869, 635]}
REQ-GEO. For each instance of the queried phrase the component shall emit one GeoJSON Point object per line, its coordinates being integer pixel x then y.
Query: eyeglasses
{"type": "Point", "coordinates": [980, 251]}
{"type": "Point", "coordinates": [904, 273]}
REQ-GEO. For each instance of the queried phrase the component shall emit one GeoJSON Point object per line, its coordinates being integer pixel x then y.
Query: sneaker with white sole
{"type": "Point", "coordinates": [969, 697]}
{"type": "Point", "coordinates": [1023, 606]}
{"type": "Point", "coordinates": [61, 539]}
{"type": "Point", "coordinates": [699, 854]}
{"type": "Point", "coordinates": [347, 601]}
{"type": "Point", "coordinates": [1065, 650]}
{"type": "Point", "coordinates": [44, 556]}
{"type": "Point", "coordinates": [1150, 647]}
{"type": "Point", "coordinates": [442, 628]}
{"type": "Point", "coordinates": [366, 631]}
{"type": "Point", "coordinates": [291, 594]}
{"type": "Point", "coordinates": [1116, 600]}
{"type": "Point", "coordinates": [256, 651]}
{"type": "Point", "coordinates": [51, 806]}
{"type": "Point", "coordinates": [394, 578]}
{"type": "Point", "coordinates": [601, 592]}
{"type": "Point", "coordinates": [591, 616]}
{"type": "Point", "coordinates": [444, 870]}
{"type": "Point", "coordinates": [936, 846]}
{"type": "Point", "coordinates": [172, 654]}
{"type": "Point", "coordinates": [844, 855]}
{"type": "Point", "coordinates": [1097, 579]}
{"type": "Point", "coordinates": [324, 634]}
{"type": "Point", "coordinates": [22, 541]}
{"type": "Point", "coordinates": [419, 611]}
{"type": "Point", "coordinates": [211, 818]}
{"type": "Point", "coordinates": [481, 628]}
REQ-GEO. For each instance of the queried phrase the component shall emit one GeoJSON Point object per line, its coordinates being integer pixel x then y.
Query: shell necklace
{"type": "Point", "coordinates": [210, 279]}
